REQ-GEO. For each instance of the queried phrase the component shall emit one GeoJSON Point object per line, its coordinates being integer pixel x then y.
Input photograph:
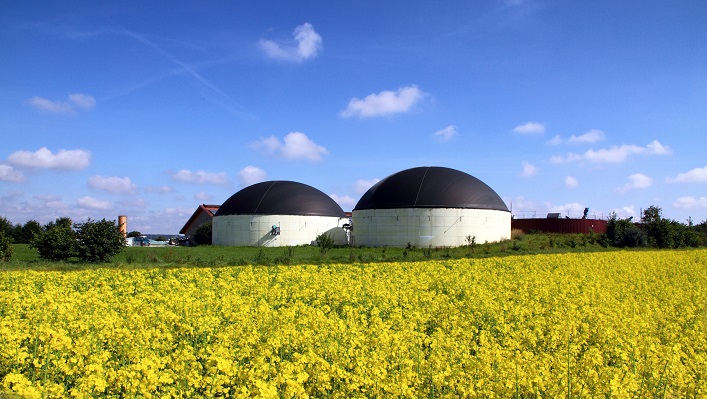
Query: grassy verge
{"type": "Point", "coordinates": [210, 256]}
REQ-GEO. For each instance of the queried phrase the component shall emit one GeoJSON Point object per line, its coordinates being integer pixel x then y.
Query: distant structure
{"type": "Point", "coordinates": [554, 224]}
{"type": "Point", "coordinates": [203, 214]}
{"type": "Point", "coordinates": [278, 213]}
{"type": "Point", "coordinates": [123, 225]}
{"type": "Point", "coordinates": [430, 206]}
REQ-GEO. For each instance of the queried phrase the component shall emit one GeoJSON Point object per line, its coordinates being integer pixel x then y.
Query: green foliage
{"type": "Point", "coordinates": [325, 242]}
{"type": "Point", "coordinates": [623, 233]}
{"type": "Point", "coordinates": [202, 235]}
{"type": "Point", "coordinates": [98, 241]}
{"type": "Point", "coordinates": [58, 242]}
{"type": "Point", "coordinates": [134, 234]}
{"type": "Point", "coordinates": [5, 248]}
{"type": "Point", "coordinates": [6, 228]}
{"type": "Point", "coordinates": [28, 231]}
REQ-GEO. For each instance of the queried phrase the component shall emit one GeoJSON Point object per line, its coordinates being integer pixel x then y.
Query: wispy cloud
{"type": "Point", "coordinates": [636, 181]}
{"type": "Point", "coordinates": [8, 173]}
{"type": "Point", "coordinates": [697, 175]}
{"type": "Point", "coordinates": [589, 137]}
{"type": "Point", "coordinates": [528, 169]}
{"type": "Point", "coordinates": [77, 100]}
{"type": "Point", "coordinates": [384, 103]}
{"type": "Point", "coordinates": [690, 202]}
{"type": "Point", "coordinates": [307, 43]}
{"type": "Point", "coordinates": [199, 177]}
{"type": "Point", "coordinates": [345, 201]}
{"type": "Point", "coordinates": [530, 128]}
{"type": "Point", "coordinates": [362, 185]}
{"type": "Point", "coordinates": [93, 203]}
{"type": "Point", "coordinates": [203, 197]}
{"type": "Point", "coordinates": [113, 184]}
{"type": "Point", "coordinates": [613, 154]}
{"type": "Point", "coordinates": [446, 134]}
{"type": "Point", "coordinates": [44, 158]}
{"type": "Point", "coordinates": [571, 182]}
{"type": "Point", "coordinates": [251, 175]}
{"type": "Point", "coordinates": [295, 145]}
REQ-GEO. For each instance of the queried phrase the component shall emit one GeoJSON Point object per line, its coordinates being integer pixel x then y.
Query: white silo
{"type": "Point", "coordinates": [430, 206]}
{"type": "Point", "coordinates": [277, 213]}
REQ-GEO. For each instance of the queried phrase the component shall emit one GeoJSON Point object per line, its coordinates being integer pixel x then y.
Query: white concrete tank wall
{"type": "Point", "coordinates": [254, 230]}
{"type": "Point", "coordinates": [424, 227]}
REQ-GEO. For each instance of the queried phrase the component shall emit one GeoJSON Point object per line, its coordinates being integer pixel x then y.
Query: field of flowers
{"type": "Point", "coordinates": [611, 324]}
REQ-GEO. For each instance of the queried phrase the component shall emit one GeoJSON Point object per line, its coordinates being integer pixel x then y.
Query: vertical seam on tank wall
{"type": "Point", "coordinates": [263, 197]}
{"type": "Point", "coordinates": [420, 188]}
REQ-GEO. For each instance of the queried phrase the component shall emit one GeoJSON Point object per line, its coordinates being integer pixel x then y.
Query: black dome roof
{"type": "Point", "coordinates": [280, 198]}
{"type": "Point", "coordinates": [431, 187]}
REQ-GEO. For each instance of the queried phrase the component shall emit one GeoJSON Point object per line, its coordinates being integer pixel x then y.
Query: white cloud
{"type": "Point", "coordinates": [529, 169]}
{"type": "Point", "coordinates": [589, 137]}
{"type": "Point", "coordinates": [697, 175]}
{"type": "Point", "coordinates": [294, 146]}
{"type": "Point", "coordinates": [44, 158]}
{"type": "Point", "coordinates": [79, 100]}
{"type": "Point", "coordinates": [636, 181]}
{"type": "Point", "coordinates": [530, 128]}
{"type": "Point", "coordinates": [613, 154]}
{"type": "Point", "coordinates": [446, 134]}
{"type": "Point", "coordinates": [93, 203]}
{"type": "Point", "coordinates": [626, 212]}
{"type": "Point", "coordinates": [384, 103]}
{"type": "Point", "coordinates": [113, 184]}
{"type": "Point", "coordinates": [362, 185]}
{"type": "Point", "coordinates": [571, 182]}
{"type": "Point", "coordinates": [345, 201]}
{"type": "Point", "coordinates": [203, 197]}
{"type": "Point", "coordinates": [689, 202]}
{"type": "Point", "coordinates": [83, 101]}
{"type": "Point", "coordinates": [251, 175]}
{"type": "Point", "coordinates": [200, 177]}
{"type": "Point", "coordinates": [8, 173]}
{"type": "Point", "coordinates": [309, 42]}
{"type": "Point", "coordinates": [569, 209]}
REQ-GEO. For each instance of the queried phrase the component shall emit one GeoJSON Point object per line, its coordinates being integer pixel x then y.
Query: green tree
{"type": "Point", "coordinates": [29, 230]}
{"type": "Point", "coordinates": [134, 234]}
{"type": "Point", "coordinates": [98, 241]}
{"type": "Point", "coordinates": [203, 234]}
{"type": "Point", "coordinates": [5, 248]}
{"type": "Point", "coordinates": [61, 221]}
{"type": "Point", "coordinates": [57, 242]}
{"type": "Point", "coordinates": [623, 233]}
{"type": "Point", "coordinates": [6, 227]}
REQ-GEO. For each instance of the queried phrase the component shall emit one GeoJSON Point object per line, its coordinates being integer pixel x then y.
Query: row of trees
{"type": "Point", "coordinates": [653, 230]}
{"type": "Point", "coordinates": [91, 241]}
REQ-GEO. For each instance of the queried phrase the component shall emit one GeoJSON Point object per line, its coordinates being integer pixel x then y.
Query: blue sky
{"type": "Point", "coordinates": [149, 109]}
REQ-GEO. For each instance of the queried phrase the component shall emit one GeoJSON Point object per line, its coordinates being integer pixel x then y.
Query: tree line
{"type": "Point", "coordinates": [653, 230]}
{"type": "Point", "coordinates": [91, 241]}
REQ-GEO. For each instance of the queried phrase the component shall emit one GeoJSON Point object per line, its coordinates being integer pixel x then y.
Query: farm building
{"type": "Point", "coordinates": [553, 223]}
{"type": "Point", "coordinates": [430, 206]}
{"type": "Point", "coordinates": [278, 213]}
{"type": "Point", "coordinates": [203, 214]}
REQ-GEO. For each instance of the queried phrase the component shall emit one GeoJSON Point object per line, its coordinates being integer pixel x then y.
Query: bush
{"type": "Point", "coordinates": [325, 242]}
{"type": "Point", "coordinates": [203, 234]}
{"type": "Point", "coordinates": [98, 241]}
{"type": "Point", "coordinates": [5, 248]}
{"type": "Point", "coordinates": [58, 242]}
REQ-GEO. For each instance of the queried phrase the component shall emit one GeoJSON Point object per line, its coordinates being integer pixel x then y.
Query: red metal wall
{"type": "Point", "coordinates": [560, 225]}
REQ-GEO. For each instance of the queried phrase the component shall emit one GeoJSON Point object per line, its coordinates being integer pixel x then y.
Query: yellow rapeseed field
{"type": "Point", "coordinates": [590, 325]}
